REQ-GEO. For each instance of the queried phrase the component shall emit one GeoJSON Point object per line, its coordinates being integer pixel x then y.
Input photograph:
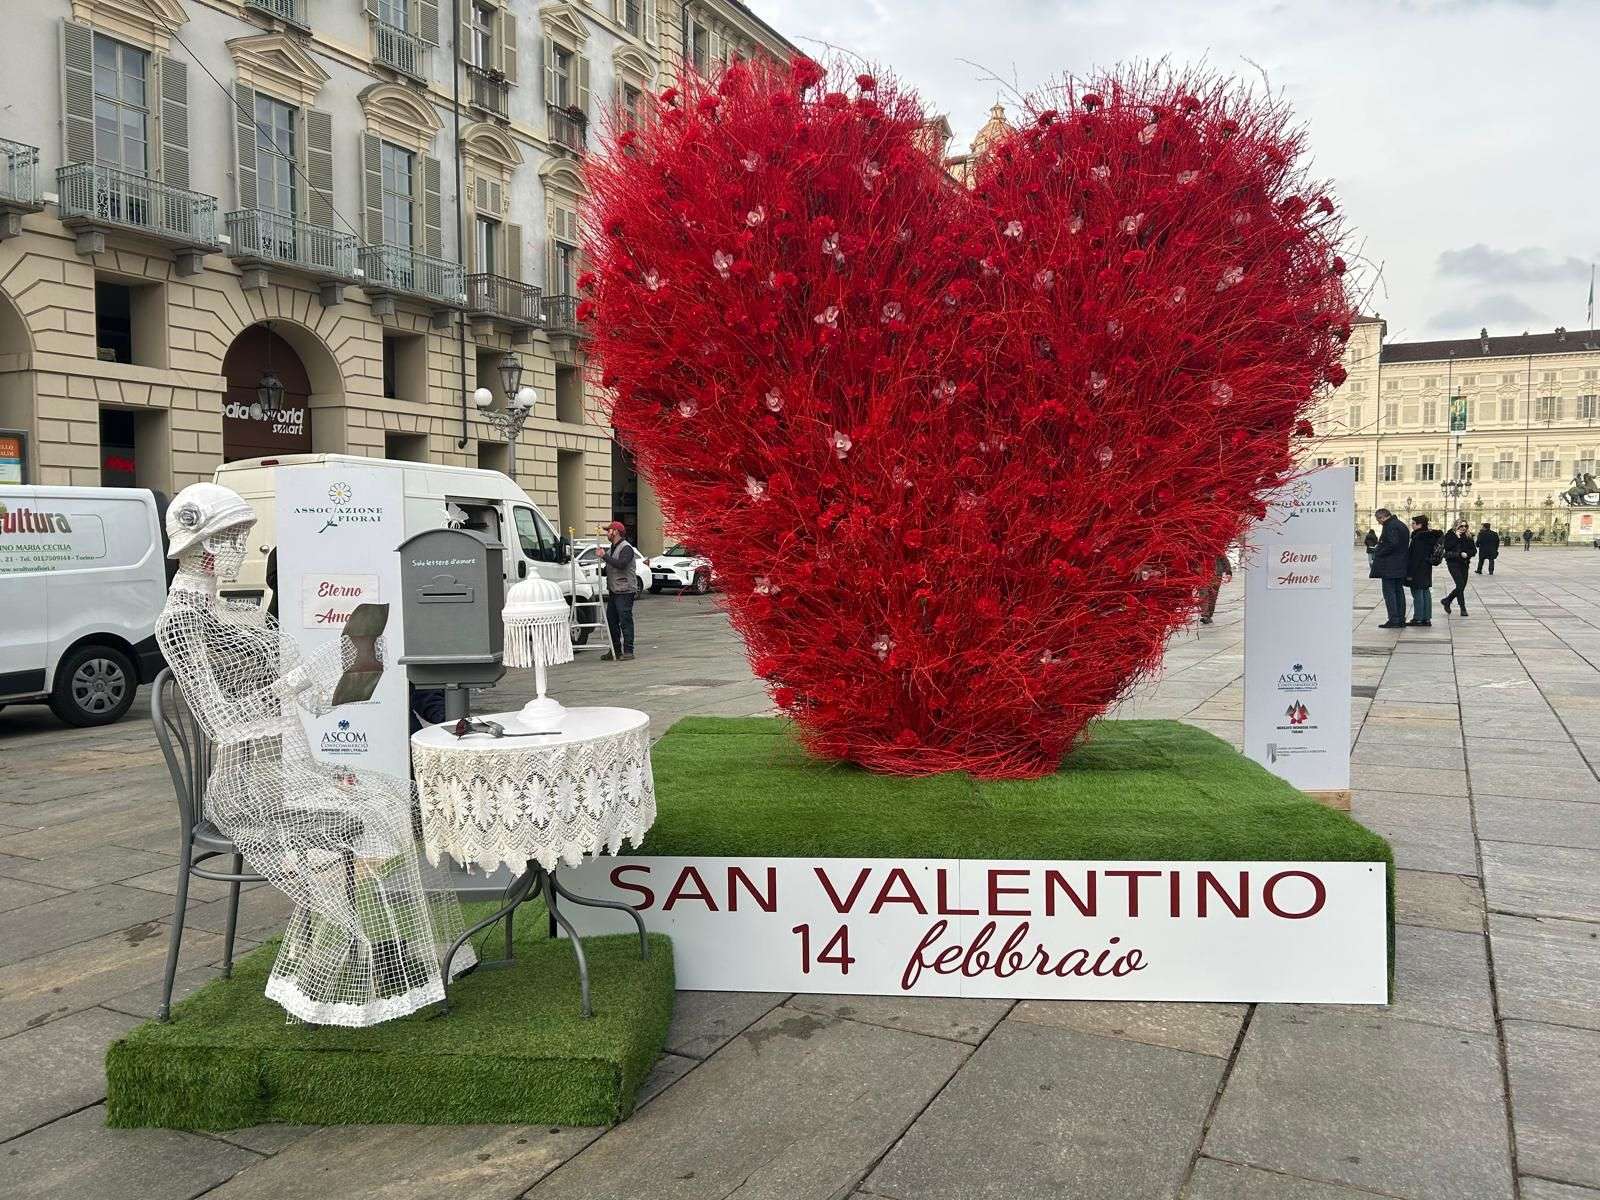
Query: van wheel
{"type": "Point", "coordinates": [580, 637]}
{"type": "Point", "coordinates": [95, 685]}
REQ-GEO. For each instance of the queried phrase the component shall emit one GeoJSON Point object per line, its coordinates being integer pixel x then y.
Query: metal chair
{"type": "Point", "coordinates": [189, 757]}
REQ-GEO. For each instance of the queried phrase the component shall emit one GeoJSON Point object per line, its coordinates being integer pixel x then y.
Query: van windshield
{"type": "Point", "coordinates": [534, 535]}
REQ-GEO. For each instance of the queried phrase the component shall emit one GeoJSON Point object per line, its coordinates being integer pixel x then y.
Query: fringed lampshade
{"type": "Point", "coordinates": [537, 635]}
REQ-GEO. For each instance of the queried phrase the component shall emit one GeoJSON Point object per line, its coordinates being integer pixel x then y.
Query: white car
{"type": "Point", "coordinates": [587, 554]}
{"type": "Point", "coordinates": [680, 567]}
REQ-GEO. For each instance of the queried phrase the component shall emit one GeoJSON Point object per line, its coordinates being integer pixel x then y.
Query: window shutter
{"type": "Point", "coordinates": [427, 14]}
{"type": "Point", "coordinates": [319, 168]}
{"type": "Point", "coordinates": [583, 84]}
{"type": "Point", "coordinates": [550, 268]}
{"type": "Point", "coordinates": [508, 44]}
{"type": "Point", "coordinates": [469, 221]}
{"type": "Point", "coordinates": [513, 252]}
{"type": "Point", "coordinates": [549, 70]}
{"type": "Point", "coordinates": [372, 187]}
{"type": "Point", "coordinates": [244, 144]}
{"type": "Point", "coordinates": [77, 91]}
{"type": "Point", "coordinates": [432, 207]}
{"type": "Point", "coordinates": [651, 32]}
{"type": "Point", "coordinates": [1561, 407]}
{"type": "Point", "coordinates": [464, 34]}
{"type": "Point", "coordinates": [619, 11]}
{"type": "Point", "coordinates": [173, 76]}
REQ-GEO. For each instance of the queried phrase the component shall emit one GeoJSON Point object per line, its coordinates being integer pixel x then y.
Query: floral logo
{"type": "Point", "coordinates": [340, 493]}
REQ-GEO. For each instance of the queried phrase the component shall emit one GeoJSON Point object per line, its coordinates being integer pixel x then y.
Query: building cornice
{"type": "Point", "coordinates": [274, 63]}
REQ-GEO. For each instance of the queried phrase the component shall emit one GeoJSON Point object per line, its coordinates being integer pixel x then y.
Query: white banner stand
{"type": "Point", "coordinates": [1297, 616]}
{"type": "Point", "coordinates": [338, 529]}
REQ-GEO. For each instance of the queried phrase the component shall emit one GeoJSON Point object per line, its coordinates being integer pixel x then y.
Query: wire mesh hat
{"type": "Point", "coordinates": [201, 510]}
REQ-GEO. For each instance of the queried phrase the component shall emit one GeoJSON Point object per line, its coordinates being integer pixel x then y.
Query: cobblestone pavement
{"type": "Point", "coordinates": [1475, 754]}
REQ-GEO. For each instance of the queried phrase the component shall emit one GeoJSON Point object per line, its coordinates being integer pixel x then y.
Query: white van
{"type": "Point", "coordinates": [493, 504]}
{"type": "Point", "coordinates": [83, 577]}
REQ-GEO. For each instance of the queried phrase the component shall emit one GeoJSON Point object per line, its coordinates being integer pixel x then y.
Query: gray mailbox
{"type": "Point", "coordinates": [452, 589]}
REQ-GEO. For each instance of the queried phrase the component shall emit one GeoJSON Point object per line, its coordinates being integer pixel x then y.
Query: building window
{"type": "Point", "coordinates": [1547, 376]}
{"type": "Point", "coordinates": [565, 282]}
{"type": "Point", "coordinates": [1547, 408]}
{"type": "Point", "coordinates": [397, 196]}
{"type": "Point", "coordinates": [1391, 415]}
{"type": "Point", "coordinates": [1464, 472]}
{"type": "Point", "coordinates": [1588, 407]}
{"type": "Point", "coordinates": [482, 47]}
{"type": "Point", "coordinates": [633, 17]}
{"type": "Point", "coordinates": [1324, 462]}
{"type": "Point", "coordinates": [1427, 471]}
{"type": "Point", "coordinates": [1430, 412]}
{"type": "Point", "coordinates": [1469, 381]}
{"type": "Point", "coordinates": [1584, 463]}
{"type": "Point", "coordinates": [1508, 409]}
{"type": "Point", "coordinates": [395, 13]}
{"type": "Point", "coordinates": [1354, 462]}
{"type": "Point", "coordinates": [1391, 470]}
{"type": "Point", "coordinates": [1353, 418]}
{"type": "Point", "coordinates": [130, 321]}
{"type": "Point", "coordinates": [121, 111]}
{"type": "Point", "coordinates": [1547, 467]}
{"type": "Point", "coordinates": [1357, 386]}
{"type": "Point", "coordinates": [1391, 385]}
{"type": "Point", "coordinates": [1591, 373]}
{"type": "Point", "coordinates": [561, 60]}
{"type": "Point", "coordinates": [632, 98]}
{"type": "Point", "coordinates": [275, 150]}
{"type": "Point", "coordinates": [486, 235]}
{"type": "Point", "coordinates": [697, 41]}
{"type": "Point", "coordinates": [405, 366]}
{"type": "Point", "coordinates": [1508, 378]}
{"type": "Point", "coordinates": [1505, 467]}
{"type": "Point", "coordinates": [1430, 381]}
{"type": "Point", "coordinates": [569, 395]}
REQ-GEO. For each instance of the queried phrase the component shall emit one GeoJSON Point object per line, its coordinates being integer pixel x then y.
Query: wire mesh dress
{"type": "Point", "coordinates": [371, 919]}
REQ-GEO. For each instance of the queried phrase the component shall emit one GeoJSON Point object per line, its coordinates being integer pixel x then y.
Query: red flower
{"type": "Point", "coordinates": [586, 310]}
{"type": "Point", "coordinates": [1324, 205]}
{"type": "Point", "coordinates": [1133, 258]}
{"type": "Point", "coordinates": [1338, 266]}
{"type": "Point", "coordinates": [1336, 374]}
{"type": "Point", "coordinates": [586, 281]}
{"type": "Point", "coordinates": [806, 73]}
{"type": "Point", "coordinates": [670, 96]}
{"type": "Point", "coordinates": [1304, 429]}
{"type": "Point", "coordinates": [1090, 101]}
{"type": "Point", "coordinates": [866, 83]}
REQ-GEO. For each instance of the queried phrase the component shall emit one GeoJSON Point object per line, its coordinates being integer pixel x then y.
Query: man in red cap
{"type": "Point", "coordinates": [622, 587]}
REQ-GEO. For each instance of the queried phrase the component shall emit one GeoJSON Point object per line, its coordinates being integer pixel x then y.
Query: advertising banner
{"type": "Point", "coordinates": [1297, 615]}
{"type": "Point", "coordinates": [1584, 528]}
{"type": "Point", "coordinates": [337, 532]}
{"type": "Point", "coordinates": [1282, 932]}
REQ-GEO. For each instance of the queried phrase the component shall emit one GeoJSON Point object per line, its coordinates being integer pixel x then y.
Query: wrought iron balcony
{"type": "Point", "coordinates": [290, 12]}
{"type": "Point", "coordinates": [401, 51]}
{"type": "Point", "coordinates": [19, 168]}
{"type": "Point", "coordinates": [568, 128]}
{"type": "Point", "coordinates": [561, 316]}
{"type": "Point", "coordinates": [93, 194]}
{"type": "Point", "coordinates": [411, 273]}
{"type": "Point", "coordinates": [261, 235]}
{"type": "Point", "coordinates": [490, 90]}
{"type": "Point", "coordinates": [499, 298]}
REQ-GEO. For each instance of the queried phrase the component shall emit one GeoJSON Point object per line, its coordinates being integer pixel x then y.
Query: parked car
{"type": "Point", "coordinates": [83, 578]}
{"type": "Point", "coordinates": [587, 552]}
{"type": "Point", "coordinates": [680, 567]}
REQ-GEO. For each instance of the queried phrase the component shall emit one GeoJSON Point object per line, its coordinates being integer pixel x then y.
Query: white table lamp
{"type": "Point", "coordinates": [538, 635]}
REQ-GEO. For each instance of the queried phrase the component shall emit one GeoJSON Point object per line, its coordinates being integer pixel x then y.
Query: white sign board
{"type": "Point", "coordinates": [338, 528]}
{"type": "Point", "coordinates": [1297, 617]}
{"type": "Point", "coordinates": [1283, 932]}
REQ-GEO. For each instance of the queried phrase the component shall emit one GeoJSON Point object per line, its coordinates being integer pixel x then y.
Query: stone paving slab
{"type": "Point", "coordinates": [410, 1162]}
{"type": "Point", "coordinates": [77, 1158]}
{"type": "Point", "coordinates": [668, 1069]}
{"type": "Point", "coordinates": [798, 1107]}
{"type": "Point", "coordinates": [87, 868]}
{"type": "Point", "coordinates": [56, 1068]}
{"type": "Point", "coordinates": [704, 1022]}
{"type": "Point", "coordinates": [1547, 881]}
{"type": "Point", "coordinates": [1544, 1189]}
{"type": "Point", "coordinates": [1383, 755]}
{"type": "Point", "coordinates": [1423, 845]}
{"type": "Point", "coordinates": [1548, 970]}
{"type": "Point", "coordinates": [1049, 1112]}
{"type": "Point", "coordinates": [1440, 901]}
{"type": "Point", "coordinates": [1545, 783]}
{"type": "Point", "coordinates": [1441, 977]}
{"type": "Point", "coordinates": [15, 893]}
{"type": "Point", "coordinates": [1398, 1107]}
{"type": "Point", "coordinates": [1555, 1096]}
{"type": "Point", "coordinates": [1217, 1180]}
{"type": "Point", "coordinates": [75, 917]}
{"type": "Point", "coordinates": [1538, 822]}
{"type": "Point", "coordinates": [1201, 1028]}
{"type": "Point", "coordinates": [935, 1016]}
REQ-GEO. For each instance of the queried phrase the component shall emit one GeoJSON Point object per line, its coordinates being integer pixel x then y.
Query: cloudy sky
{"type": "Point", "coordinates": [1463, 136]}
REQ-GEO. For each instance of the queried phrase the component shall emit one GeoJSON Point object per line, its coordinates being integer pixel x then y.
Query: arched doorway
{"type": "Point", "coordinates": [248, 431]}
{"type": "Point", "coordinates": [18, 450]}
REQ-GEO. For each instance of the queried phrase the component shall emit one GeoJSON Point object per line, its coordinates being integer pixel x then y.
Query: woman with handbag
{"type": "Point", "coordinates": [1422, 555]}
{"type": "Point", "coordinates": [1459, 547]}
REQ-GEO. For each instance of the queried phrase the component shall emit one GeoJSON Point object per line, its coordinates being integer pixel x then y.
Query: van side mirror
{"type": "Point", "coordinates": [563, 549]}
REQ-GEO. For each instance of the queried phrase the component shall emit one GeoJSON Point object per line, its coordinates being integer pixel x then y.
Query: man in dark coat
{"type": "Point", "coordinates": [1419, 570]}
{"type": "Point", "coordinates": [1488, 548]}
{"type": "Point", "coordinates": [1527, 540]}
{"type": "Point", "coordinates": [1389, 565]}
{"type": "Point", "coordinates": [1458, 551]}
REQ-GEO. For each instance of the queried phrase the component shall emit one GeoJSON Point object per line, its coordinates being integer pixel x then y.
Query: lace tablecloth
{"type": "Point", "coordinates": [547, 798]}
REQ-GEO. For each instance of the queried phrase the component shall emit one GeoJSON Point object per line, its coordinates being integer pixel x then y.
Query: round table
{"type": "Point", "coordinates": [535, 801]}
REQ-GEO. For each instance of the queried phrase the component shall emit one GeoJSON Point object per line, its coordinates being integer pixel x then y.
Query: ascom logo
{"type": "Point", "coordinates": [343, 739]}
{"type": "Point", "coordinates": [26, 520]}
{"type": "Point", "coordinates": [1297, 679]}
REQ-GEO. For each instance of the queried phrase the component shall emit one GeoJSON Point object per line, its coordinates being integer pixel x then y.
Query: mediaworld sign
{"type": "Point", "coordinates": [1271, 932]}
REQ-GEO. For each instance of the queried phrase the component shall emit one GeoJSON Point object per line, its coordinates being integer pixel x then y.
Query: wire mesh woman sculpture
{"type": "Point", "coordinates": [371, 918]}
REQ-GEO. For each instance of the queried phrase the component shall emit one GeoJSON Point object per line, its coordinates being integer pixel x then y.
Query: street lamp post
{"type": "Point", "coordinates": [519, 403]}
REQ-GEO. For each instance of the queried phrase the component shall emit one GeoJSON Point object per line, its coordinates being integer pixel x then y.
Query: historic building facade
{"type": "Point", "coordinates": [1511, 419]}
{"type": "Point", "coordinates": [371, 203]}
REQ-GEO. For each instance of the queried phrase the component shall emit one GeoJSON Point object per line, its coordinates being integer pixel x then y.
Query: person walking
{"type": "Point", "coordinates": [1221, 570]}
{"type": "Point", "coordinates": [1371, 543]}
{"type": "Point", "coordinates": [1488, 548]}
{"type": "Point", "coordinates": [622, 588]}
{"type": "Point", "coordinates": [1419, 570]}
{"type": "Point", "coordinates": [1458, 550]}
{"type": "Point", "coordinates": [1527, 540]}
{"type": "Point", "coordinates": [1389, 564]}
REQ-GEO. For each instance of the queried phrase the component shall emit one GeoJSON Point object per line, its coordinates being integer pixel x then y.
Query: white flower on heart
{"type": "Point", "coordinates": [764, 586]}
{"type": "Point", "coordinates": [1147, 134]}
{"type": "Point", "coordinates": [946, 389]}
{"type": "Point", "coordinates": [1013, 229]}
{"type": "Point", "coordinates": [828, 317]}
{"type": "Point", "coordinates": [722, 261]}
{"type": "Point", "coordinates": [841, 443]}
{"type": "Point", "coordinates": [687, 407]}
{"type": "Point", "coordinates": [751, 161]}
{"type": "Point", "coordinates": [1048, 657]}
{"type": "Point", "coordinates": [892, 312]}
{"type": "Point", "coordinates": [1221, 393]}
{"type": "Point", "coordinates": [653, 280]}
{"type": "Point", "coordinates": [903, 235]}
{"type": "Point", "coordinates": [969, 501]}
{"type": "Point", "coordinates": [988, 266]}
{"type": "Point", "coordinates": [1230, 277]}
{"type": "Point", "coordinates": [754, 488]}
{"type": "Point", "coordinates": [1075, 225]}
{"type": "Point", "coordinates": [870, 174]}
{"type": "Point", "coordinates": [1177, 296]}
{"type": "Point", "coordinates": [830, 244]}
{"type": "Point", "coordinates": [1097, 381]}
{"type": "Point", "coordinates": [755, 216]}
{"type": "Point", "coordinates": [1103, 456]}
{"type": "Point", "coordinates": [1102, 172]}
{"type": "Point", "coordinates": [882, 645]}
{"type": "Point", "coordinates": [773, 401]}
{"type": "Point", "coordinates": [1241, 218]}
{"type": "Point", "coordinates": [1044, 277]}
{"type": "Point", "coordinates": [1187, 177]}
{"type": "Point", "coordinates": [1130, 225]}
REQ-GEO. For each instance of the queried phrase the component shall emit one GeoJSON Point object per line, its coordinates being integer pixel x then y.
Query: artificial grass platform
{"type": "Point", "coordinates": [514, 1049]}
{"type": "Point", "coordinates": [743, 787]}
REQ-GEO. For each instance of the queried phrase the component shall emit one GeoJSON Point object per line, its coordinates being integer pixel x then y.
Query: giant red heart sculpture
{"type": "Point", "coordinates": [962, 459]}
